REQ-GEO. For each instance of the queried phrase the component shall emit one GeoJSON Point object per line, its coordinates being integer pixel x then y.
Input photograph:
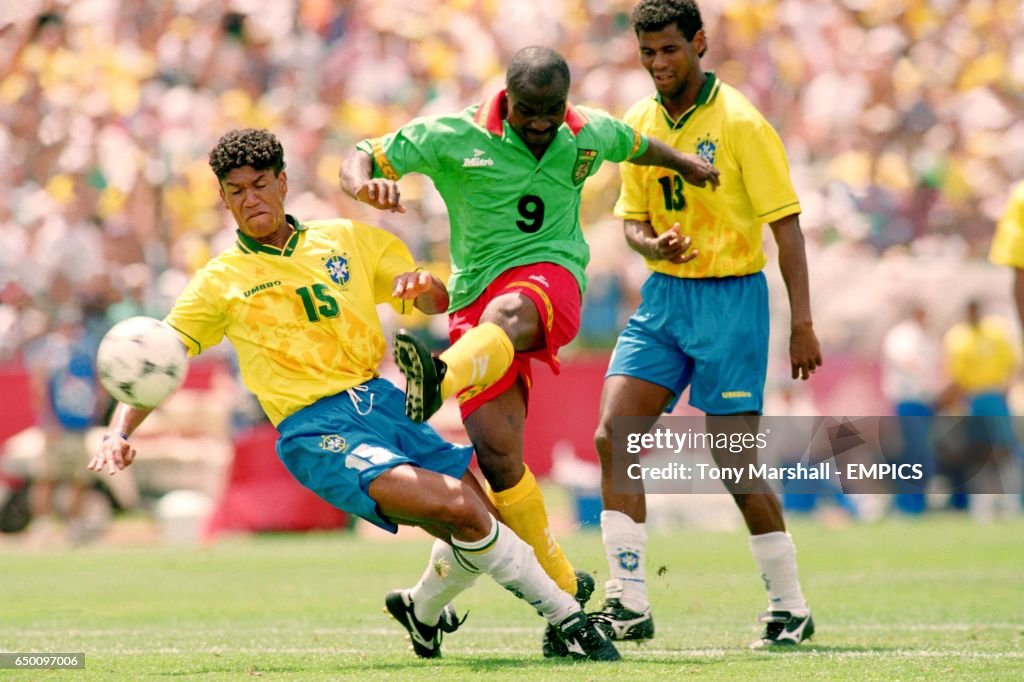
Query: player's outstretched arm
{"type": "Point", "coordinates": [427, 292]}
{"type": "Point", "coordinates": [357, 181]}
{"type": "Point", "coordinates": [804, 350]}
{"type": "Point", "coordinates": [669, 245]}
{"type": "Point", "coordinates": [115, 451]}
{"type": "Point", "coordinates": [695, 170]}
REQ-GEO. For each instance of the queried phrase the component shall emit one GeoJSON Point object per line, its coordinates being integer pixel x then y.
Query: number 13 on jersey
{"type": "Point", "coordinates": [672, 192]}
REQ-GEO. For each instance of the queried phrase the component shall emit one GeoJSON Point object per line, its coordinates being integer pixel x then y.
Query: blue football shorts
{"type": "Point", "coordinates": [991, 421]}
{"type": "Point", "coordinates": [709, 334]}
{"type": "Point", "coordinates": [338, 445]}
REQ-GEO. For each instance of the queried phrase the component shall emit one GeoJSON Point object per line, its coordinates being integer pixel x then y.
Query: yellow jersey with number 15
{"type": "Point", "coordinates": [303, 319]}
{"type": "Point", "coordinates": [725, 225]}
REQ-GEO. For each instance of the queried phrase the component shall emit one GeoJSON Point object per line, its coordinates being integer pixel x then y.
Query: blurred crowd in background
{"type": "Point", "coordinates": [904, 122]}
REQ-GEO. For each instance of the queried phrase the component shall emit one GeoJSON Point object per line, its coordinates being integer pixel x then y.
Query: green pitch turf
{"type": "Point", "coordinates": [939, 598]}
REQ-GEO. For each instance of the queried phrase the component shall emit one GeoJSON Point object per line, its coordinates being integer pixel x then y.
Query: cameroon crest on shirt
{"type": "Point", "coordinates": [585, 159]}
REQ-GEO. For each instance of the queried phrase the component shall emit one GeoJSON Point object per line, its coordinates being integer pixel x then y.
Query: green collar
{"type": "Point", "coordinates": [706, 94]}
{"type": "Point", "coordinates": [249, 245]}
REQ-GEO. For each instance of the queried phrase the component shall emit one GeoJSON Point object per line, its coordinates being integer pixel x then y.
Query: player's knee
{"type": "Point", "coordinates": [502, 470]}
{"type": "Point", "coordinates": [518, 317]}
{"type": "Point", "coordinates": [466, 515]}
{"type": "Point", "coordinates": [603, 444]}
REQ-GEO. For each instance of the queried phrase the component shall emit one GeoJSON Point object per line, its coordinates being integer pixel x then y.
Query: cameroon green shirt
{"type": "Point", "coordinates": [506, 207]}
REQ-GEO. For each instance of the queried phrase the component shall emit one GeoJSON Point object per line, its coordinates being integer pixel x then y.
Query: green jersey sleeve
{"type": "Point", "coordinates": [410, 149]}
{"type": "Point", "coordinates": [617, 140]}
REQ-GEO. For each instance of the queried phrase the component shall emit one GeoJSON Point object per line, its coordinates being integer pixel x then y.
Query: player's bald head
{"type": "Point", "coordinates": [537, 68]}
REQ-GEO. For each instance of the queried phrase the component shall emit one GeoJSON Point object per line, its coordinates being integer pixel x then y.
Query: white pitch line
{"type": "Point", "coordinates": [502, 630]}
{"type": "Point", "coordinates": [927, 627]}
{"type": "Point", "coordinates": [629, 652]}
{"type": "Point", "coordinates": [825, 653]}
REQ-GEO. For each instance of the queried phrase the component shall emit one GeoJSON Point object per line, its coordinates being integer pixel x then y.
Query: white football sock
{"type": "Point", "coordinates": [444, 578]}
{"type": "Point", "coordinates": [775, 555]}
{"type": "Point", "coordinates": [513, 565]}
{"type": "Point", "coordinates": [625, 545]}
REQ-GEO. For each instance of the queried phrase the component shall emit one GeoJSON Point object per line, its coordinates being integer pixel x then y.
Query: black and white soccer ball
{"type": "Point", "coordinates": [141, 361]}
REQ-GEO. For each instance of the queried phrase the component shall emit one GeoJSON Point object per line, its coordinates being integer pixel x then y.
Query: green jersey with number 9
{"type": "Point", "coordinates": [506, 207]}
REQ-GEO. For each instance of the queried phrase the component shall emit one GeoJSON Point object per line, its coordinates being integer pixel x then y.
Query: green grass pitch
{"type": "Point", "coordinates": [936, 598]}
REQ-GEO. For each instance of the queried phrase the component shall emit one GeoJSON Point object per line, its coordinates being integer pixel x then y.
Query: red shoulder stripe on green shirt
{"type": "Point", "coordinates": [491, 116]}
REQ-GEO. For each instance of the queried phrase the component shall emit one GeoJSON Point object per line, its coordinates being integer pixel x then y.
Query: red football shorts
{"type": "Point", "coordinates": [555, 292]}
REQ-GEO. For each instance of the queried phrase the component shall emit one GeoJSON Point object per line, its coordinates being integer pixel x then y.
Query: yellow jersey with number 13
{"type": "Point", "coordinates": [302, 319]}
{"type": "Point", "coordinates": [725, 225]}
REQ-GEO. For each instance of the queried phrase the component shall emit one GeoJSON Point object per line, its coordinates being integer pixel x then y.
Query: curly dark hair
{"type": "Point", "coordinates": [655, 15]}
{"type": "Point", "coordinates": [247, 147]}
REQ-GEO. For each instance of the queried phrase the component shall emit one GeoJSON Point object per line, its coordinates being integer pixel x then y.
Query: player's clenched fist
{"type": "Point", "coordinates": [381, 193]}
{"type": "Point", "coordinates": [700, 173]}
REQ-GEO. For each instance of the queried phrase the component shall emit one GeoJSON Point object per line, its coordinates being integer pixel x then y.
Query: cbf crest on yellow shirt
{"type": "Point", "coordinates": [725, 224]}
{"type": "Point", "coordinates": [303, 318]}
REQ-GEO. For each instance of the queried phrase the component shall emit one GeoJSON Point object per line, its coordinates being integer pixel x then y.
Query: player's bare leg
{"type": "Point", "coordinates": [453, 509]}
{"type": "Point", "coordinates": [788, 618]}
{"type": "Point", "coordinates": [496, 430]}
{"type": "Point", "coordinates": [626, 613]}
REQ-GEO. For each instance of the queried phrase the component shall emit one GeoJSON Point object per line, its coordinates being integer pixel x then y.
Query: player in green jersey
{"type": "Point", "coordinates": [510, 171]}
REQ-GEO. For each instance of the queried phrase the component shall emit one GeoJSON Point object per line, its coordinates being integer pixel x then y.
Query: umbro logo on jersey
{"type": "Point", "coordinates": [261, 287]}
{"type": "Point", "coordinates": [477, 160]}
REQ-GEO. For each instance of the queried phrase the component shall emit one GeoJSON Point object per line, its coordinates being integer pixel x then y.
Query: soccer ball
{"type": "Point", "coordinates": [141, 361]}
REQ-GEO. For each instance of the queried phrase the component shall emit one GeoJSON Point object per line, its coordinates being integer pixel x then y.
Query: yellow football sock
{"type": "Point", "coordinates": [479, 358]}
{"type": "Point", "coordinates": [522, 509]}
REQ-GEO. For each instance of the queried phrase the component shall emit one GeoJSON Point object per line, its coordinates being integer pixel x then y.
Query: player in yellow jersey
{"type": "Point", "coordinates": [703, 320]}
{"type": "Point", "coordinates": [298, 301]}
{"type": "Point", "coordinates": [1008, 245]}
{"type": "Point", "coordinates": [981, 361]}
